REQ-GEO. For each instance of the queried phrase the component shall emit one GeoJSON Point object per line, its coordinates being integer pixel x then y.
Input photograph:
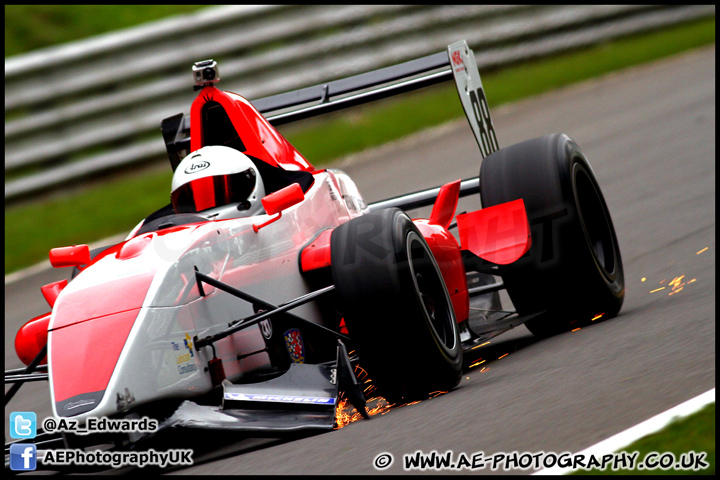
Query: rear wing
{"type": "Point", "coordinates": [457, 63]}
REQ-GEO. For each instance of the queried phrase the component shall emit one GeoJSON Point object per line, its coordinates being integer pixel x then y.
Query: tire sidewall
{"type": "Point", "coordinates": [613, 277]}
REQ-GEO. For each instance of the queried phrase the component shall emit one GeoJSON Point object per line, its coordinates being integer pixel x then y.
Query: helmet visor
{"type": "Point", "coordinates": [210, 192]}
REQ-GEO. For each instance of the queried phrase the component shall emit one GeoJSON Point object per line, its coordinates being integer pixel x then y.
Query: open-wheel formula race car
{"type": "Point", "coordinates": [245, 303]}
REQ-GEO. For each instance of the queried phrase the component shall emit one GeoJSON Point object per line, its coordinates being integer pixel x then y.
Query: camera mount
{"type": "Point", "coordinates": [205, 73]}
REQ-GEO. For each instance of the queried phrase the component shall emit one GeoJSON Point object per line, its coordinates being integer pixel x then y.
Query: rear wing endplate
{"type": "Point", "coordinates": [457, 63]}
{"type": "Point", "coordinates": [472, 96]}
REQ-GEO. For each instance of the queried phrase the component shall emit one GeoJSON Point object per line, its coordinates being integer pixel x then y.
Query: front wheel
{"type": "Point", "coordinates": [396, 306]}
{"type": "Point", "coordinates": [573, 270]}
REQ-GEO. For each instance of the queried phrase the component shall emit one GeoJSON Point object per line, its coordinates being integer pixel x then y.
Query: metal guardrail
{"type": "Point", "coordinates": [89, 107]}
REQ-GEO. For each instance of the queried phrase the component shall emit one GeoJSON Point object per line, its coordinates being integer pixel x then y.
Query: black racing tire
{"type": "Point", "coordinates": [573, 270]}
{"type": "Point", "coordinates": [396, 306]}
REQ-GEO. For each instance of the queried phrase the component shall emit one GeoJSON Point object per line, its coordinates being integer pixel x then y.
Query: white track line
{"type": "Point", "coordinates": [652, 425]}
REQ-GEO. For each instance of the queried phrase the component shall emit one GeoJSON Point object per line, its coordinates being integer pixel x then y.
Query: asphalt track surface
{"type": "Point", "coordinates": [649, 133]}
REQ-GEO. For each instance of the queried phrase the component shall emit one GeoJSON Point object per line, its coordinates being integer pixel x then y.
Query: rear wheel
{"type": "Point", "coordinates": [396, 305]}
{"type": "Point", "coordinates": [573, 270]}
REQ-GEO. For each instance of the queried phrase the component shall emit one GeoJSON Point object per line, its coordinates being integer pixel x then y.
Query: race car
{"type": "Point", "coordinates": [248, 301]}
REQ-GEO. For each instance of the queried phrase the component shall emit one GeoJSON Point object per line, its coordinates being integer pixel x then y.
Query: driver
{"type": "Point", "coordinates": [215, 176]}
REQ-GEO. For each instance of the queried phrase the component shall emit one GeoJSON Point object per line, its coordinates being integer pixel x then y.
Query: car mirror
{"type": "Point", "coordinates": [282, 199]}
{"type": "Point", "coordinates": [70, 256]}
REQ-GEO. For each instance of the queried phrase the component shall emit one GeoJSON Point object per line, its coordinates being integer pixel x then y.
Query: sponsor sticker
{"type": "Point", "coordinates": [457, 61]}
{"type": "Point", "coordinates": [266, 329]}
{"type": "Point", "coordinates": [294, 345]}
{"type": "Point", "coordinates": [255, 397]}
{"type": "Point", "coordinates": [83, 402]}
{"type": "Point", "coordinates": [197, 166]}
{"type": "Point", "coordinates": [185, 356]}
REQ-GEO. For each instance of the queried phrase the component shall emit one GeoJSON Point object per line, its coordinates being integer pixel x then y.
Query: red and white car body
{"type": "Point", "coordinates": [156, 319]}
{"type": "Point", "coordinates": [137, 307]}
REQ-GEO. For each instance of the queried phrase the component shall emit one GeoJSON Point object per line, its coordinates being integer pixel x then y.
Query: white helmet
{"type": "Point", "coordinates": [214, 176]}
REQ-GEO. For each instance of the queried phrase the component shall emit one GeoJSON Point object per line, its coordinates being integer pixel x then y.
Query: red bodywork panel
{"type": "Point", "coordinates": [259, 138]}
{"type": "Point", "coordinates": [31, 338]}
{"type": "Point", "coordinates": [446, 251]}
{"type": "Point", "coordinates": [499, 234]}
{"type": "Point", "coordinates": [52, 290]}
{"type": "Point", "coordinates": [76, 366]}
{"type": "Point", "coordinates": [444, 209]}
{"type": "Point", "coordinates": [317, 254]}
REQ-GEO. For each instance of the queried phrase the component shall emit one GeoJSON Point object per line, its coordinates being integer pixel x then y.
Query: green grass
{"type": "Point", "coordinates": [695, 433]}
{"type": "Point", "coordinates": [117, 205]}
{"type": "Point", "coordinates": [30, 27]}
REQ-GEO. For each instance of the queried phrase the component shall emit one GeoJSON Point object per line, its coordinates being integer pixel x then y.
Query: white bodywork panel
{"type": "Point", "coordinates": [158, 359]}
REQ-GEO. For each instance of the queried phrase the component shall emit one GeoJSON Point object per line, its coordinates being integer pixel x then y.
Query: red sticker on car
{"type": "Point", "coordinates": [294, 345]}
{"type": "Point", "coordinates": [457, 60]}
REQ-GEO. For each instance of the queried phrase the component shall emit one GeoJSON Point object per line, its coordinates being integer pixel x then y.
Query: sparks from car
{"type": "Point", "coordinates": [346, 414]}
{"type": "Point", "coordinates": [480, 362]}
{"type": "Point", "coordinates": [677, 284]}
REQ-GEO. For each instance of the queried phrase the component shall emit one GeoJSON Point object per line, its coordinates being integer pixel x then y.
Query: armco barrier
{"type": "Point", "coordinates": [95, 105]}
